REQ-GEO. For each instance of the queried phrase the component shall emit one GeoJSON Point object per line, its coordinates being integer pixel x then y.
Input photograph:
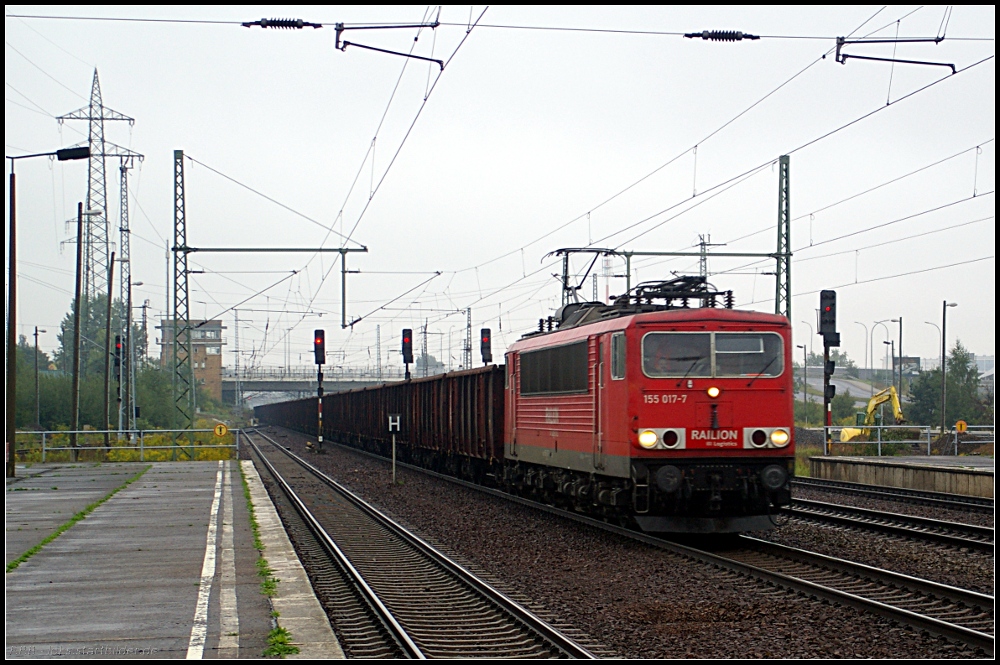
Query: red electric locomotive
{"type": "Point", "coordinates": [680, 417]}
{"type": "Point", "coordinates": [660, 410]}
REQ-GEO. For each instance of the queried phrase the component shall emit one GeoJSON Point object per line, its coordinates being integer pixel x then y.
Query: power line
{"type": "Point", "coordinates": [43, 71]}
{"type": "Point", "coordinates": [831, 133]}
{"type": "Point", "coordinates": [865, 230]}
{"type": "Point", "coordinates": [895, 240]}
{"type": "Point", "coordinates": [413, 124]}
{"type": "Point", "coordinates": [390, 24]}
{"type": "Point", "coordinates": [867, 191]}
{"type": "Point", "coordinates": [268, 198]}
{"type": "Point", "coordinates": [902, 274]}
{"type": "Point", "coordinates": [686, 150]}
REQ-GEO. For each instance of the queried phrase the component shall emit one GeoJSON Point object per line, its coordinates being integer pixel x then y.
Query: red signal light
{"type": "Point", "coordinates": [407, 345]}
{"type": "Point", "coordinates": [319, 346]}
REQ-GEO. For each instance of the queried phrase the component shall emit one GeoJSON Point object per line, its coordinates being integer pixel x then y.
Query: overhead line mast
{"type": "Point", "coordinates": [96, 242]}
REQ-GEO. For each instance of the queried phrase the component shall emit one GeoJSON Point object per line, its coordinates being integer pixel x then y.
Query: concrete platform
{"type": "Point", "coordinates": [165, 567]}
{"type": "Point", "coordinates": [971, 476]}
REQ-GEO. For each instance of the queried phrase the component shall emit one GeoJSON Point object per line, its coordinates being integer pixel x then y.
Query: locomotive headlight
{"type": "Point", "coordinates": [648, 438]}
{"type": "Point", "coordinates": [779, 437]}
{"type": "Point", "coordinates": [713, 392]}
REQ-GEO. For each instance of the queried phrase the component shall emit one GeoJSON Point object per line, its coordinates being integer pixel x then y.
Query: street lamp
{"type": "Point", "coordinates": [810, 335]}
{"type": "Point", "coordinates": [878, 323]}
{"type": "Point", "coordinates": [941, 344]}
{"type": "Point", "coordinates": [944, 386]}
{"type": "Point", "coordinates": [805, 383]}
{"type": "Point", "coordinates": [38, 403]}
{"type": "Point", "coordinates": [899, 388]}
{"type": "Point", "coordinates": [867, 366]}
{"type": "Point", "coordinates": [63, 155]}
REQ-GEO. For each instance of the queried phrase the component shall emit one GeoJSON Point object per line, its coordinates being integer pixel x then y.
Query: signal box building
{"type": "Point", "coordinates": [206, 342]}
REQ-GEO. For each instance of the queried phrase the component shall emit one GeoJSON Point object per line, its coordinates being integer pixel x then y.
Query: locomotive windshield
{"type": "Point", "coordinates": [677, 354]}
{"type": "Point", "coordinates": [688, 355]}
{"type": "Point", "coordinates": [748, 354]}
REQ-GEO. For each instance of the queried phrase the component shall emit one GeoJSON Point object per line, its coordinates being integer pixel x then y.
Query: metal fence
{"type": "Point", "coordinates": [978, 434]}
{"type": "Point", "coordinates": [128, 445]}
{"type": "Point", "coordinates": [880, 435]}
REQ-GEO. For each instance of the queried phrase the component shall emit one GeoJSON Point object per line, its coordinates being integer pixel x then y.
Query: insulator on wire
{"type": "Point", "coordinates": [722, 35]}
{"type": "Point", "coordinates": [730, 301]}
{"type": "Point", "coordinates": [283, 23]}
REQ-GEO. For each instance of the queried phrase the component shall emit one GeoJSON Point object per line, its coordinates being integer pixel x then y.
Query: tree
{"type": "Point", "coordinates": [964, 402]}
{"type": "Point", "coordinates": [840, 359]}
{"type": "Point", "coordinates": [842, 407]}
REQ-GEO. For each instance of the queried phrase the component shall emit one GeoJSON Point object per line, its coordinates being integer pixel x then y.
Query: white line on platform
{"type": "Point", "coordinates": [229, 639]}
{"type": "Point", "coordinates": [199, 630]}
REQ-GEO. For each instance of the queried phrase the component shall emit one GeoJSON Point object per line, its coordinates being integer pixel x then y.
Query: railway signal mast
{"type": "Point", "coordinates": [486, 345]}
{"type": "Point", "coordinates": [831, 338]}
{"type": "Point", "coordinates": [319, 348]}
{"type": "Point", "coordinates": [407, 350]}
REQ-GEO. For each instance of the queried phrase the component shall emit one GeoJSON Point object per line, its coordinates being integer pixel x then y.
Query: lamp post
{"type": "Point", "coordinates": [61, 155]}
{"type": "Point", "coordinates": [805, 383]}
{"type": "Point", "coordinates": [878, 323]}
{"type": "Point", "coordinates": [38, 402]}
{"type": "Point", "coordinates": [810, 336]}
{"type": "Point", "coordinates": [940, 342]}
{"type": "Point", "coordinates": [899, 387]}
{"type": "Point", "coordinates": [867, 366]}
{"type": "Point", "coordinates": [886, 361]}
{"type": "Point", "coordinates": [944, 386]}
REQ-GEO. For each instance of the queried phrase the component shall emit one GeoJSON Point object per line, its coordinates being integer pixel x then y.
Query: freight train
{"type": "Point", "coordinates": [662, 410]}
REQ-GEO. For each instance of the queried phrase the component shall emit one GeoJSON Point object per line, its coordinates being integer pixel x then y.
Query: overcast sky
{"type": "Point", "coordinates": [522, 141]}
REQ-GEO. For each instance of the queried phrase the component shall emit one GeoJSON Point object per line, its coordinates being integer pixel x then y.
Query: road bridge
{"type": "Point", "coordinates": [301, 381]}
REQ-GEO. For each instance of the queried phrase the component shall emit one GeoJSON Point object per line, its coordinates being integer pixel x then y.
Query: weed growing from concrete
{"type": "Point", "coordinates": [73, 520]}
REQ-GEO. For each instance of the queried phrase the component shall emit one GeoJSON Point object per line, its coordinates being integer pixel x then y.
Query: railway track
{"type": "Point", "coordinates": [957, 614]}
{"type": "Point", "coordinates": [423, 605]}
{"type": "Point", "coordinates": [963, 616]}
{"type": "Point", "coordinates": [955, 534]}
{"type": "Point", "coordinates": [919, 497]}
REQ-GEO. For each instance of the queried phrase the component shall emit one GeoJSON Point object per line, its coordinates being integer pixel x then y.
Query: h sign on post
{"type": "Point", "coordinates": [394, 419]}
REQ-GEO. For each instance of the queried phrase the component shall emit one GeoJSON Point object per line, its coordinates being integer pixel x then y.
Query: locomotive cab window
{"type": "Point", "coordinates": [561, 369]}
{"type": "Point", "coordinates": [693, 355]}
{"type": "Point", "coordinates": [748, 354]}
{"type": "Point", "coordinates": [618, 356]}
{"type": "Point", "coordinates": [677, 354]}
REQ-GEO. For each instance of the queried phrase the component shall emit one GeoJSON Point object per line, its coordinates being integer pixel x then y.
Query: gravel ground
{"type": "Point", "coordinates": [968, 569]}
{"type": "Point", "coordinates": [901, 507]}
{"type": "Point", "coordinates": [638, 601]}
{"type": "Point", "coordinates": [962, 568]}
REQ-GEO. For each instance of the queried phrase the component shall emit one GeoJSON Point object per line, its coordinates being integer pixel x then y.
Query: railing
{"type": "Point", "coordinates": [976, 432]}
{"type": "Point", "coordinates": [190, 444]}
{"type": "Point", "coordinates": [877, 432]}
{"type": "Point", "coordinates": [308, 373]}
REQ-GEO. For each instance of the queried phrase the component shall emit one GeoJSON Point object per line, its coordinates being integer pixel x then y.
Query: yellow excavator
{"type": "Point", "coordinates": [868, 418]}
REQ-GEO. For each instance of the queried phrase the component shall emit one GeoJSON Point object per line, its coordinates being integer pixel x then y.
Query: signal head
{"type": "Point", "coordinates": [319, 346]}
{"type": "Point", "coordinates": [407, 346]}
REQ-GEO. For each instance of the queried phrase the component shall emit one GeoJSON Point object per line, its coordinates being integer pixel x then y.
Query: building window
{"type": "Point", "coordinates": [213, 350]}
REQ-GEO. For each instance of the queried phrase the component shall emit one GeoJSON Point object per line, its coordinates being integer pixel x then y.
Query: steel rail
{"type": "Point", "coordinates": [962, 634]}
{"type": "Point", "coordinates": [392, 626]}
{"type": "Point", "coordinates": [521, 614]}
{"type": "Point", "coordinates": [922, 497]}
{"type": "Point", "coordinates": [911, 526]}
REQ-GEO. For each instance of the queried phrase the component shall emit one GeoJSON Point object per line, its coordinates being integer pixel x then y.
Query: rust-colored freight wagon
{"type": "Point", "coordinates": [448, 419]}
